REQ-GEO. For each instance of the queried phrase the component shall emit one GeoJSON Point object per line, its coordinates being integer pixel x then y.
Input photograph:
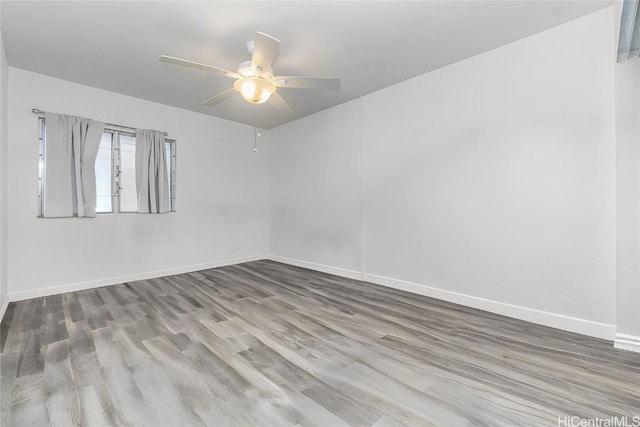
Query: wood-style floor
{"type": "Point", "coordinates": [268, 344]}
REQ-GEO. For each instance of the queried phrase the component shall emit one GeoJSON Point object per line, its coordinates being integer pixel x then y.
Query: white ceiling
{"type": "Point", "coordinates": [369, 45]}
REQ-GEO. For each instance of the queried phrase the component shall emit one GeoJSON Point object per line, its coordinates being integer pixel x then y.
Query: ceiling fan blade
{"type": "Point", "coordinates": [265, 49]}
{"type": "Point", "coordinates": [222, 96]}
{"type": "Point", "coordinates": [281, 105]}
{"type": "Point", "coordinates": [307, 82]}
{"type": "Point", "coordinates": [198, 66]}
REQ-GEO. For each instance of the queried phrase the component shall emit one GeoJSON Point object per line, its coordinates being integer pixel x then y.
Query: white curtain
{"type": "Point", "coordinates": [151, 172]}
{"type": "Point", "coordinates": [70, 154]}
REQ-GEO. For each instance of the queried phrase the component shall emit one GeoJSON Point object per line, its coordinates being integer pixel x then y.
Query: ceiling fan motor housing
{"type": "Point", "coordinates": [246, 69]}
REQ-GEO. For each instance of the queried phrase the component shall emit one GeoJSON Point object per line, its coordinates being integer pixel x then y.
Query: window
{"type": "Point", "coordinates": [115, 171]}
{"type": "Point", "coordinates": [127, 174]}
{"type": "Point", "coordinates": [104, 174]}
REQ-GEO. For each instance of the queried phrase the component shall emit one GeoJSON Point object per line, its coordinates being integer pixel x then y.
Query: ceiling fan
{"type": "Point", "coordinates": [255, 80]}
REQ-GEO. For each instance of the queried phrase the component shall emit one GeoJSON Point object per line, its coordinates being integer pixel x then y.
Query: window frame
{"type": "Point", "coordinates": [115, 132]}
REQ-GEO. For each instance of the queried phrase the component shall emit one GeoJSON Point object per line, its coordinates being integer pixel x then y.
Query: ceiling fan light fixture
{"type": "Point", "coordinates": [255, 90]}
{"type": "Point", "coordinates": [255, 79]}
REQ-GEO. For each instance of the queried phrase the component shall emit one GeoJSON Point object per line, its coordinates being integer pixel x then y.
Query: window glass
{"type": "Point", "coordinates": [167, 150]}
{"type": "Point", "coordinates": [41, 165]}
{"type": "Point", "coordinates": [103, 174]}
{"type": "Point", "coordinates": [128, 197]}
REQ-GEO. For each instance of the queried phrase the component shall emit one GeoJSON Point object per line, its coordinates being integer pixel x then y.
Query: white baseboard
{"type": "Point", "coordinates": [3, 307]}
{"type": "Point", "coordinates": [554, 320]}
{"type": "Point", "coordinates": [54, 290]}
{"type": "Point", "coordinates": [627, 342]}
{"type": "Point", "coordinates": [546, 318]}
{"type": "Point", "coordinates": [342, 272]}
{"type": "Point", "coordinates": [560, 321]}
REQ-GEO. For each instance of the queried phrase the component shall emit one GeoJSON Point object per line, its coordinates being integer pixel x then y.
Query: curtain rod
{"type": "Point", "coordinates": [37, 111]}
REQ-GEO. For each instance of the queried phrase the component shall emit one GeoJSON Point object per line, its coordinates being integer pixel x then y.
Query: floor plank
{"type": "Point", "coordinates": [267, 344]}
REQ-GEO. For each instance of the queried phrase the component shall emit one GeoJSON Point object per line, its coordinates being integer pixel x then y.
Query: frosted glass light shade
{"type": "Point", "coordinates": [255, 90]}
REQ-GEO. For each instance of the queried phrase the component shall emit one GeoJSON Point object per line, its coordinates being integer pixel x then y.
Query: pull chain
{"type": "Point", "coordinates": [255, 130]}
{"type": "Point", "coordinates": [256, 134]}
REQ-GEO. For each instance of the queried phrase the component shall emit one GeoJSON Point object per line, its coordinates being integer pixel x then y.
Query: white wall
{"type": "Point", "coordinates": [4, 175]}
{"type": "Point", "coordinates": [490, 182]}
{"type": "Point", "coordinates": [221, 197]}
{"type": "Point", "coordinates": [628, 197]}
{"type": "Point", "coordinates": [315, 191]}
{"type": "Point", "coordinates": [4, 75]}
